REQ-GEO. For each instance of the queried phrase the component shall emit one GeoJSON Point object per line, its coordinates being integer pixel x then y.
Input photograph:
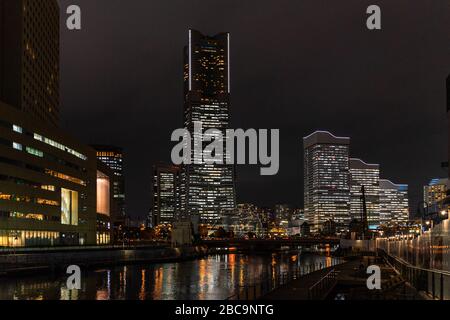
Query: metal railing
{"type": "Point", "coordinates": [322, 287]}
{"type": "Point", "coordinates": [435, 283]}
{"type": "Point", "coordinates": [270, 283]}
{"type": "Point", "coordinates": [17, 250]}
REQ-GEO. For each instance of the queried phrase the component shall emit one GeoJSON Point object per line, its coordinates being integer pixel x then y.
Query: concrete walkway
{"type": "Point", "coordinates": [351, 284]}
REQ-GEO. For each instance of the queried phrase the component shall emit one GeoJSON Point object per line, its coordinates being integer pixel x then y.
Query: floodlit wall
{"type": "Point", "coordinates": [430, 250]}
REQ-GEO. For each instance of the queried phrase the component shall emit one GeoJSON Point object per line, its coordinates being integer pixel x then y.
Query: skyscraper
{"type": "Point", "coordinates": [207, 189]}
{"type": "Point", "coordinates": [166, 194]}
{"type": "Point", "coordinates": [112, 156]}
{"type": "Point", "coordinates": [29, 57]}
{"type": "Point", "coordinates": [394, 206]}
{"type": "Point", "coordinates": [326, 180]}
{"type": "Point", "coordinates": [367, 175]}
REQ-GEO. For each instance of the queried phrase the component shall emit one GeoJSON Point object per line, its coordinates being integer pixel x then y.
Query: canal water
{"type": "Point", "coordinates": [212, 277]}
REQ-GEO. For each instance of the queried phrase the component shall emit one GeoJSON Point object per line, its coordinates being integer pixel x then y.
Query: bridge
{"type": "Point", "coordinates": [269, 243]}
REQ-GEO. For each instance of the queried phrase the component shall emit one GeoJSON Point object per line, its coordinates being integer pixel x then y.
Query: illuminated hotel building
{"type": "Point", "coordinates": [367, 175]}
{"type": "Point", "coordinates": [207, 189]}
{"type": "Point", "coordinates": [29, 57]}
{"type": "Point", "coordinates": [394, 207]}
{"type": "Point", "coordinates": [166, 194]}
{"type": "Point", "coordinates": [47, 184]}
{"type": "Point", "coordinates": [326, 180]}
{"type": "Point", "coordinates": [435, 191]}
{"type": "Point", "coordinates": [113, 157]}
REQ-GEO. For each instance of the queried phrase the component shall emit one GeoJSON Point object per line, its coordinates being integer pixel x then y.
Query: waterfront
{"type": "Point", "coordinates": [212, 277]}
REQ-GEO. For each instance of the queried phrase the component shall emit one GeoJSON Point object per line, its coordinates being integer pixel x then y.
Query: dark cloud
{"type": "Point", "coordinates": [296, 65]}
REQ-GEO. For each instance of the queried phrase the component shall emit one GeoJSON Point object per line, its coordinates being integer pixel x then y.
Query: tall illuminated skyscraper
{"type": "Point", "coordinates": [166, 194]}
{"type": "Point", "coordinates": [112, 156]}
{"type": "Point", "coordinates": [367, 175]}
{"type": "Point", "coordinates": [29, 57]}
{"type": "Point", "coordinates": [326, 180]}
{"type": "Point", "coordinates": [207, 189]}
{"type": "Point", "coordinates": [394, 206]}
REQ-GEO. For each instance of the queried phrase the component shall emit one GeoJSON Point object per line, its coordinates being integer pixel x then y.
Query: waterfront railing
{"type": "Point", "coordinates": [435, 283]}
{"type": "Point", "coordinates": [267, 284]}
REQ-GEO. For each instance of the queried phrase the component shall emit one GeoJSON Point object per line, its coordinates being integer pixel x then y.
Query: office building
{"type": "Point", "coordinates": [208, 190]}
{"type": "Point", "coordinates": [435, 191]}
{"type": "Point", "coordinates": [29, 57]}
{"type": "Point", "coordinates": [112, 156]}
{"type": "Point", "coordinates": [367, 175]}
{"type": "Point", "coordinates": [394, 207]}
{"type": "Point", "coordinates": [106, 207]}
{"type": "Point", "coordinates": [283, 215]}
{"type": "Point", "coordinates": [51, 189]}
{"type": "Point", "coordinates": [326, 180]}
{"type": "Point", "coordinates": [47, 184]}
{"type": "Point", "coordinates": [166, 194]}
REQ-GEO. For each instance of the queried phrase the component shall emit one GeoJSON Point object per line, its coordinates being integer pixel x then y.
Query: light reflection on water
{"type": "Point", "coordinates": [213, 277]}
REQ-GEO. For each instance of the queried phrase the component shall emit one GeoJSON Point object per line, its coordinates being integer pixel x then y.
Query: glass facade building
{"type": "Point", "coordinates": [367, 175]}
{"type": "Point", "coordinates": [207, 190]}
{"type": "Point", "coordinates": [394, 206]}
{"type": "Point", "coordinates": [326, 180]}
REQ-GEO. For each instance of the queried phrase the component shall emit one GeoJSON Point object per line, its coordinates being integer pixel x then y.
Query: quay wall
{"type": "Point", "coordinates": [59, 260]}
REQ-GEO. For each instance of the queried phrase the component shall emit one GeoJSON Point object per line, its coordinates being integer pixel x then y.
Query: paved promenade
{"type": "Point", "coordinates": [350, 284]}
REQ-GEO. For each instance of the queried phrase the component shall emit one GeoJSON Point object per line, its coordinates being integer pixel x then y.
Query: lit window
{"type": "Point", "coordinates": [69, 207]}
{"type": "Point", "coordinates": [35, 152]}
{"type": "Point", "coordinates": [17, 129]}
{"type": "Point", "coordinates": [17, 146]}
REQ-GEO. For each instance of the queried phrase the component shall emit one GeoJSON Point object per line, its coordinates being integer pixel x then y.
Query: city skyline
{"type": "Point", "coordinates": [307, 89]}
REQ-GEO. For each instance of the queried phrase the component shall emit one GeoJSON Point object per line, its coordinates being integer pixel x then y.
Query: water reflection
{"type": "Point", "coordinates": [214, 277]}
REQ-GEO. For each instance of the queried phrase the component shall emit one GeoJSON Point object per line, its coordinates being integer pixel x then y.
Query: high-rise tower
{"type": "Point", "coordinates": [29, 57]}
{"type": "Point", "coordinates": [326, 180]}
{"type": "Point", "coordinates": [367, 175]}
{"type": "Point", "coordinates": [207, 189]}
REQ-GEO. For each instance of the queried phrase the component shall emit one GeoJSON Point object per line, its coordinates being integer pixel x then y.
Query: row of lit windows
{"type": "Point", "coordinates": [21, 238]}
{"type": "Point", "coordinates": [17, 198]}
{"type": "Point", "coordinates": [66, 177]}
{"type": "Point", "coordinates": [59, 146]}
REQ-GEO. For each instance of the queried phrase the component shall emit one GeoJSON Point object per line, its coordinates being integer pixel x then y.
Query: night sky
{"type": "Point", "coordinates": [296, 65]}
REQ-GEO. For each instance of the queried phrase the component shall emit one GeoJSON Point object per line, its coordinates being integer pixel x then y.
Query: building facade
{"type": "Point", "coordinates": [52, 189]}
{"type": "Point", "coordinates": [208, 190]}
{"type": "Point", "coordinates": [106, 205]}
{"type": "Point", "coordinates": [326, 180]}
{"type": "Point", "coordinates": [367, 175]}
{"type": "Point", "coordinates": [29, 57]}
{"type": "Point", "coordinates": [435, 191]}
{"type": "Point", "coordinates": [47, 184]}
{"type": "Point", "coordinates": [113, 156]}
{"type": "Point", "coordinates": [166, 194]}
{"type": "Point", "coordinates": [394, 206]}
